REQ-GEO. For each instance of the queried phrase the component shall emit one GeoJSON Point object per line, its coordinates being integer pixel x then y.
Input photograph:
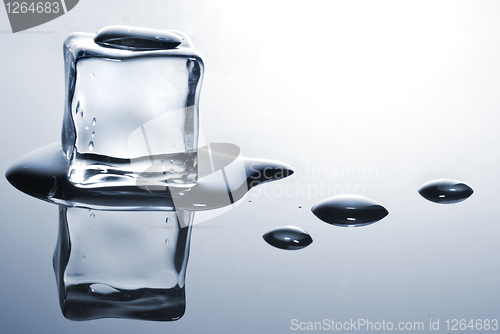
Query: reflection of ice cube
{"type": "Point", "coordinates": [122, 264]}
{"type": "Point", "coordinates": [128, 110]}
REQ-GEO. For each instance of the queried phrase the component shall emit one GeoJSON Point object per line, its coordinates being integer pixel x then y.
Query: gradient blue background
{"type": "Point", "coordinates": [384, 95]}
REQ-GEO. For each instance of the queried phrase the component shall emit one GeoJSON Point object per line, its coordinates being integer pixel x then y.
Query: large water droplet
{"type": "Point", "coordinates": [349, 210]}
{"type": "Point", "coordinates": [288, 237]}
{"type": "Point", "coordinates": [445, 191]}
{"type": "Point", "coordinates": [91, 146]}
{"type": "Point", "coordinates": [140, 39]}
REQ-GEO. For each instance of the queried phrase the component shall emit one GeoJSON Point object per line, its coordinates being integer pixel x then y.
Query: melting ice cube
{"type": "Point", "coordinates": [132, 103]}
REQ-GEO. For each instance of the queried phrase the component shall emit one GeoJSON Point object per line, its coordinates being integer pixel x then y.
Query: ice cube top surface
{"type": "Point", "coordinates": [139, 39]}
{"type": "Point", "coordinates": [123, 42]}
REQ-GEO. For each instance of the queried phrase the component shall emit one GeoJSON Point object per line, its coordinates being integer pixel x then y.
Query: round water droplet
{"type": "Point", "coordinates": [288, 237]}
{"type": "Point", "coordinates": [445, 191]}
{"type": "Point", "coordinates": [166, 241]}
{"type": "Point", "coordinates": [93, 121]}
{"type": "Point", "coordinates": [349, 210]}
{"type": "Point", "coordinates": [171, 171]}
{"type": "Point", "coordinates": [171, 161]}
{"type": "Point", "coordinates": [92, 215]}
{"type": "Point", "coordinates": [93, 133]}
{"type": "Point", "coordinates": [91, 146]}
{"type": "Point", "coordinates": [300, 207]}
{"type": "Point", "coordinates": [167, 220]}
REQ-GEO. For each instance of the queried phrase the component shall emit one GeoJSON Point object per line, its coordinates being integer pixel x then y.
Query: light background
{"type": "Point", "coordinates": [403, 91]}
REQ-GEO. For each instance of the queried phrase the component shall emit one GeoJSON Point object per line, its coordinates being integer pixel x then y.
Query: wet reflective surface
{"type": "Point", "coordinates": [288, 237]}
{"type": "Point", "coordinates": [445, 191]}
{"type": "Point", "coordinates": [113, 264]}
{"type": "Point", "coordinates": [349, 210]}
{"type": "Point", "coordinates": [406, 112]}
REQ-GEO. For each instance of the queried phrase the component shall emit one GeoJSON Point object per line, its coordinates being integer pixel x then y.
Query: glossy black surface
{"type": "Point", "coordinates": [288, 237]}
{"type": "Point", "coordinates": [445, 191]}
{"type": "Point", "coordinates": [349, 210]}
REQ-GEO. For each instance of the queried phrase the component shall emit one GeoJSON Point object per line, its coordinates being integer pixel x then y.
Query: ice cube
{"type": "Point", "coordinates": [132, 103]}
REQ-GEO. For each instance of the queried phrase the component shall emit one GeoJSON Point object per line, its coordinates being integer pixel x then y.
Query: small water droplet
{"type": "Point", "coordinates": [445, 191]}
{"type": "Point", "coordinates": [83, 257]}
{"type": "Point", "coordinates": [171, 161]}
{"type": "Point", "coordinates": [92, 215]}
{"type": "Point", "coordinates": [93, 133]}
{"type": "Point", "coordinates": [81, 114]}
{"type": "Point", "coordinates": [91, 146]}
{"type": "Point", "coordinates": [167, 220]}
{"type": "Point", "coordinates": [173, 147]}
{"type": "Point", "coordinates": [300, 207]}
{"type": "Point", "coordinates": [77, 109]}
{"type": "Point", "coordinates": [288, 237]}
{"type": "Point", "coordinates": [349, 210]}
{"type": "Point", "coordinates": [92, 75]}
{"type": "Point", "coordinates": [166, 241]}
{"type": "Point", "coordinates": [171, 171]}
{"type": "Point", "coordinates": [93, 121]}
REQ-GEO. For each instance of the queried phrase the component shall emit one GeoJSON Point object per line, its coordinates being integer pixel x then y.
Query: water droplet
{"type": "Point", "coordinates": [77, 109]}
{"type": "Point", "coordinates": [171, 171]}
{"type": "Point", "coordinates": [81, 114]}
{"type": "Point", "coordinates": [349, 210]}
{"type": "Point", "coordinates": [139, 39]}
{"type": "Point", "coordinates": [288, 237]}
{"type": "Point", "coordinates": [91, 146]}
{"type": "Point", "coordinates": [171, 161]}
{"type": "Point", "coordinates": [167, 220]}
{"type": "Point", "coordinates": [93, 121]}
{"type": "Point", "coordinates": [83, 257]}
{"type": "Point", "coordinates": [445, 191]}
{"type": "Point", "coordinates": [92, 215]}
{"type": "Point", "coordinates": [173, 147]}
{"type": "Point", "coordinates": [93, 133]}
{"type": "Point", "coordinates": [92, 75]}
{"type": "Point", "coordinates": [300, 207]}
{"type": "Point", "coordinates": [166, 241]}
